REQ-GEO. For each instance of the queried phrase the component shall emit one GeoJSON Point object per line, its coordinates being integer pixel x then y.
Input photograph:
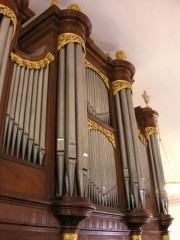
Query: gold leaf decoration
{"type": "Point", "coordinates": [75, 7]}
{"type": "Point", "coordinates": [105, 79]}
{"type": "Point", "coordinates": [118, 85]}
{"type": "Point", "coordinates": [54, 2]}
{"type": "Point", "coordinates": [9, 13]}
{"type": "Point", "coordinates": [66, 38]}
{"type": "Point", "coordinates": [165, 237]}
{"type": "Point", "coordinates": [149, 131]}
{"type": "Point", "coordinates": [121, 55]}
{"type": "Point", "coordinates": [136, 237]}
{"type": "Point", "coordinates": [32, 64]}
{"type": "Point", "coordinates": [70, 236]}
{"type": "Point", "coordinates": [94, 126]}
{"type": "Point", "coordinates": [142, 138]}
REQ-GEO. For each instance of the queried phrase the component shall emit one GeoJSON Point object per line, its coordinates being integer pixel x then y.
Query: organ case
{"type": "Point", "coordinates": [76, 159]}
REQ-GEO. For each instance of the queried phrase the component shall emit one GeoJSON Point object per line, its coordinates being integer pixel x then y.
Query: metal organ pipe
{"type": "Point", "coordinates": [103, 191]}
{"type": "Point", "coordinates": [72, 137]}
{"type": "Point", "coordinates": [123, 150]}
{"type": "Point", "coordinates": [71, 155]}
{"type": "Point", "coordinates": [43, 115]}
{"type": "Point", "coordinates": [6, 33]}
{"type": "Point", "coordinates": [159, 175]}
{"type": "Point", "coordinates": [130, 149]}
{"type": "Point", "coordinates": [4, 28]}
{"type": "Point", "coordinates": [5, 57]}
{"type": "Point", "coordinates": [154, 176]}
{"type": "Point", "coordinates": [129, 145]}
{"type": "Point", "coordinates": [136, 147]}
{"type": "Point", "coordinates": [97, 96]}
{"type": "Point", "coordinates": [25, 126]}
{"type": "Point", "coordinates": [61, 121]}
{"type": "Point", "coordinates": [81, 122]}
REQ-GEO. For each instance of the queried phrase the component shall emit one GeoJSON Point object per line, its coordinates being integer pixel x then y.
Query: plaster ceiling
{"type": "Point", "coordinates": [148, 31]}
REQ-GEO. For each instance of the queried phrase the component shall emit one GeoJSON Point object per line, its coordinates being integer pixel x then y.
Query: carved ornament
{"type": "Point", "coordinates": [94, 126]}
{"type": "Point", "coordinates": [66, 38]}
{"type": "Point", "coordinates": [105, 79]}
{"type": "Point", "coordinates": [70, 236]}
{"type": "Point", "coordinates": [75, 7]}
{"type": "Point", "coordinates": [118, 85]}
{"type": "Point", "coordinates": [121, 55]}
{"type": "Point", "coordinates": [54, 2]}
{"type": "Point", "coordinates": [136, 237]}
{"type": "Point", "coordinates": [142, 138]}
{"type": "Point", "coordinates": [149, 131]}
{"type": "Point", "coordinates": [165, 237]}
{"type": "Point", "coordinates": [32, 64]}
{"type": "Point", "coordinates": [9, 13]}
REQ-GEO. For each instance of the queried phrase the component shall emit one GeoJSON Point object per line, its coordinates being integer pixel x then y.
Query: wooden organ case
{"type": "Point", "coordinates": [77, 161]}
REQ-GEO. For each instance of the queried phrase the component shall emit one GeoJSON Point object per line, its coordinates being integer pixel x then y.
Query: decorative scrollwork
{"type": "Point", "coordinates": [94, 126]}
{"type": "Point", "coordinates": [142, 138]}
{"type": "Point", "coordinates": [66, 38]}
{"type": "Point", "coordinates": [32, 64]}
{"type": "Point", "coordinates": [70, 236]}
{"type": "Point", "coordinates": [105, 79]}
{"type": "Point", "coordinates": [8, 12]}
{"type": "Point", "coordinates": [149, 131]}
{"type": "Point", "coordinates": [75, 7]}
{"type": "Point", "coordinates": [118, 85]}
{"type": "Point", "coordinates": [136, 237]}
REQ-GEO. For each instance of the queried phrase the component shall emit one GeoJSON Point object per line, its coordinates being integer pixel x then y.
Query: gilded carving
{"type": "Point", "coordinates": [109, 55]}
{"type": "Point", "coordinates": [118, 85]}
{"type": "Point", "coordinates": [146, 98]}
{"type": "Point", "coordinates": [136, 237]}
{"type": "Point", "coordinates": [54, 2]}
{"type": "Point", "coordinates": [32, 64]}
{"type": "Point", "coordinates": [75, 7]}
{"type": "Point", "coordinates": [142, 138]}
{"type": "Point", "coordinates": [105, 79]}
{"type": "Point", "coordinates": [66, 38]}
{"type": "Point", "coordinates": [120, 55]}
{"type": "Point", "coordinates": [9, 13]}
{"type": "Point", "coordinates": [149, 131]}
{"type": "Point", "coordinates": [70, 236]}
{"type": "Point", "coordinates": [165, 237]}
{"type": "Point", "coordinates": [94, 126]}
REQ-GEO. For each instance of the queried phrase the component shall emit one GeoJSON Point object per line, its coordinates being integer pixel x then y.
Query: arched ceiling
{"type": "Point", "coordinates": [148, 31]}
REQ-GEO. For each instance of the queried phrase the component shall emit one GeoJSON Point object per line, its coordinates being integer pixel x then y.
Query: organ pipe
{"type": "Point", "coordinates": [25, 125]}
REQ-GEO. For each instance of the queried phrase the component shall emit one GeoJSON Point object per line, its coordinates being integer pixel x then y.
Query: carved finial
{"type": "Point", "coordinates": [120, 55]}
{"type": "Point", "coordinates": [75, 7]}
{"type": "Point", "coordinates": [54, 2]}
{"type": "Point", "coordinates": [146, 98]}
{"type": "Point", "coordinates": [108, 55]}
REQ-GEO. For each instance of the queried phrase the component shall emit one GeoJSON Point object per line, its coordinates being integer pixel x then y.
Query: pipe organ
{"type": "Point", "coordinates": [77, 160]}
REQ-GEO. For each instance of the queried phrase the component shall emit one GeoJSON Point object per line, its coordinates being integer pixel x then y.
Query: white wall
{"type": "Point", "coordinates": [174, 210]}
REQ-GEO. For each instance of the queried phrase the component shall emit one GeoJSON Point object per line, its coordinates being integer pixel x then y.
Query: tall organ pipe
{"type": "Point", "coordinates": [43, 115]}
{"type": "Point", "coordinates": [136, 147]}
{"type": "Point", "coordinates": [6, 32]}
{"type": "Point", "coordinates": [130, 149]}
{"type": "Point", "coordinates": [5, 58]}
{"type": "Point", "coordinates": [123, 150]}
{"type": "Point", "coordinates": [61, 121]}
{"type": "Point", "coordinates": [160, 176]}
{"type": "Point", "coordinates": [71, 155]}
{"type": "Point", "coordinates": [81, 120]}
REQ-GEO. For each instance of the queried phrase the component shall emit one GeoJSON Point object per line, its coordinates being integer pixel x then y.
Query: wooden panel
{"type": "Point", "coordinates": [21, 178]}
{"type": "Point", "coordinates": [27, 233]}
